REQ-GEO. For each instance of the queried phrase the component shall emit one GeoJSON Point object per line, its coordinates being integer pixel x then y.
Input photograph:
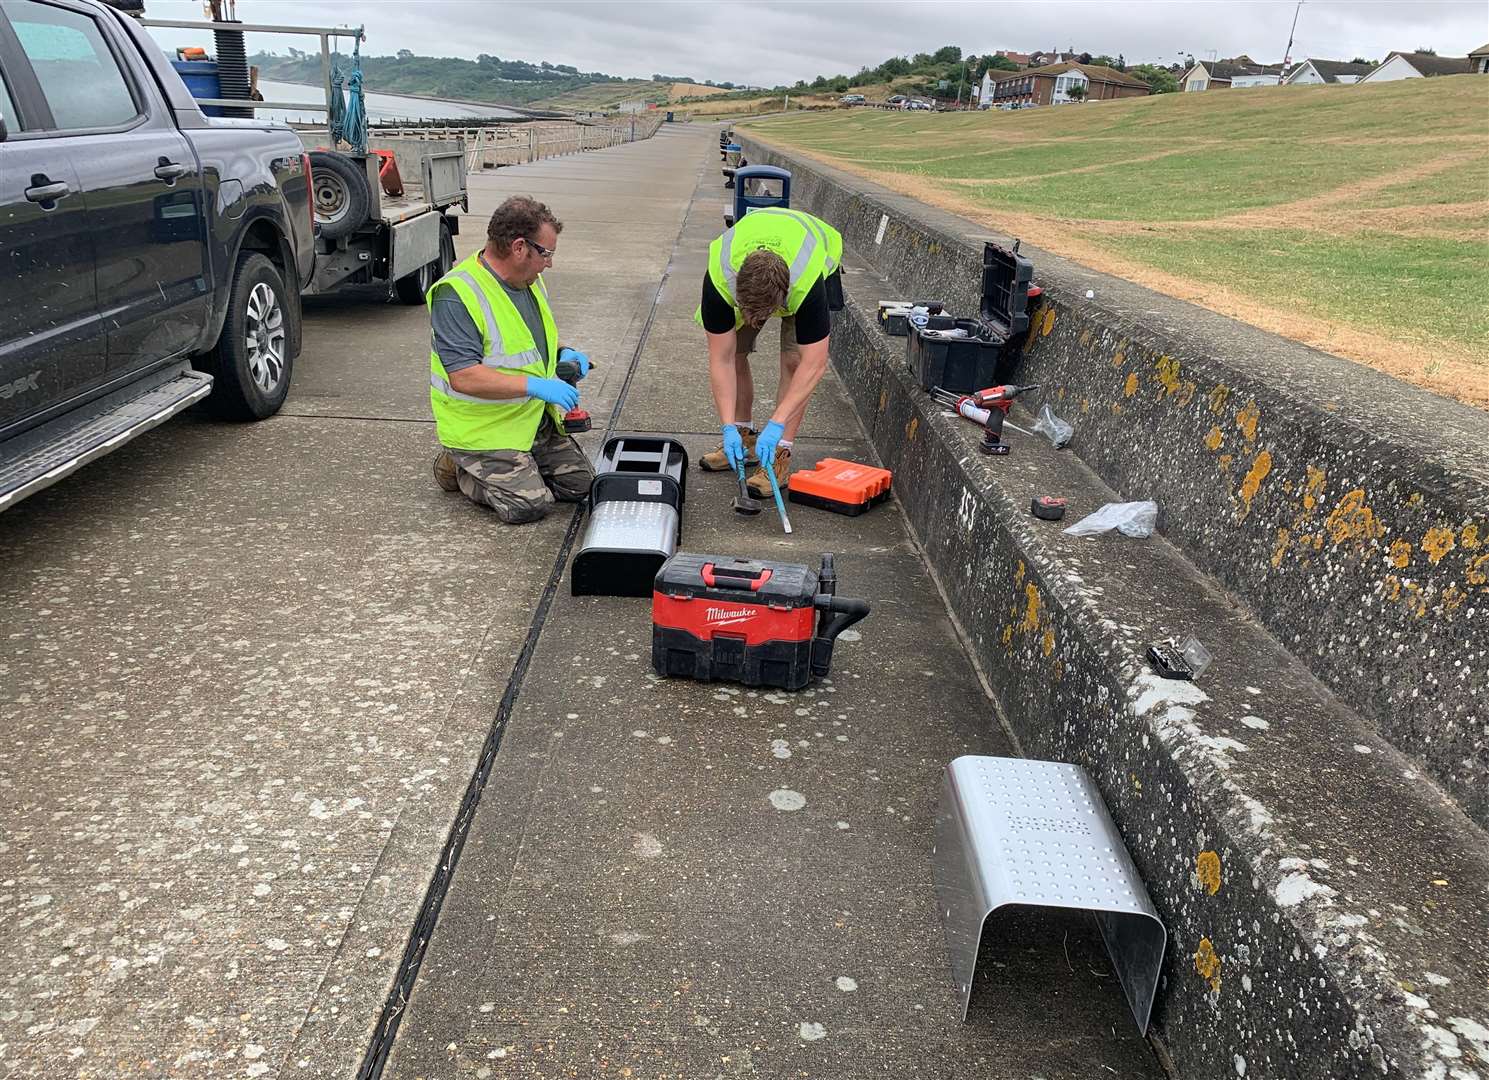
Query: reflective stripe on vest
{"type": "Point", "coordinates": [798, 264]}
{"type": "Point", "coordinates": [808, 222]}
{"type": "Point", "coordinates": [467, 422]}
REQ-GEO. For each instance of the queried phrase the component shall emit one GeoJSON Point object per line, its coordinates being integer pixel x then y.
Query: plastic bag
{"type": "Point", "coordinates": [1134, 519]}
{"type": "Point", "coordinates": [1054, 429]}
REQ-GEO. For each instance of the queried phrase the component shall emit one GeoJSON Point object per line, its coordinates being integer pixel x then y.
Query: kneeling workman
{"type": "Point", "coordinates": [498, 403]}
{"type": "Point", "coordinates": [772, 262]}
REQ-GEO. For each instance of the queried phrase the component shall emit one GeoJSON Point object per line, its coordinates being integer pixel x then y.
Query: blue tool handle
{"type": "Point", "coordinates": [775, 489]}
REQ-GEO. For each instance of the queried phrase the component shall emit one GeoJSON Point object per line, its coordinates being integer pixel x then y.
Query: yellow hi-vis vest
{"type": "Point", "coordinates": [472, 423]}
{"type": "Point", "coordinates": [812, 249]}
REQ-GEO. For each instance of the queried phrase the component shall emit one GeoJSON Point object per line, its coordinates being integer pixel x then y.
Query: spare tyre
{"type": "Point", "coordinates": [342, 198]}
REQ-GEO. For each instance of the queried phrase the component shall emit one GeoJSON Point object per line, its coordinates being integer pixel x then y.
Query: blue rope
{"type": "Point", "coordinates": [356, 108]}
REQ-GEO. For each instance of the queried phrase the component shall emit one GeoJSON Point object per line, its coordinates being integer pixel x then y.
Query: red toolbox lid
{"type": "Point", "coordinates": [841, 481]}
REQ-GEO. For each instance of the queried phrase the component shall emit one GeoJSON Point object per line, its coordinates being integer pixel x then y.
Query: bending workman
{"type": "Point", "coordinates": [772, 262]}
{"type": "Point", "coordinates": [498, 403]}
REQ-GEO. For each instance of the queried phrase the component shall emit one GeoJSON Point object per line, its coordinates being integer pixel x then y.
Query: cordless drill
{"type": "Point", "coordinates": [997, 400]}
{"type": "Point", "coordinates": [575, 420]}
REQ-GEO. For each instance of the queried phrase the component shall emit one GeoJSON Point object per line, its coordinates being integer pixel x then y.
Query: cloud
{"type": "Point", "coordinates": [769, 43]}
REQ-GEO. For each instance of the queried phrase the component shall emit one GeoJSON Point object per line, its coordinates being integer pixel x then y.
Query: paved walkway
{"type": "Point", "coordinates": [250, 669]}
{"type": "Point", "coordinates": [246, 672]}
{"type": "Point", "coordinates": [631, 902]}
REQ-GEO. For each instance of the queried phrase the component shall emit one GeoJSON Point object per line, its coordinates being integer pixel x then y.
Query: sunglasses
{"type": "Point", "coordinates": [543, 253]}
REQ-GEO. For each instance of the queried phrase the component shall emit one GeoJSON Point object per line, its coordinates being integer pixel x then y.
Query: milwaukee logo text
{"type": "Point", "coordinates": [721, 615]}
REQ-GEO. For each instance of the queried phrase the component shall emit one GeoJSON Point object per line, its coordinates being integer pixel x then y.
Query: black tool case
{"type": "Point", "coordinates": [751, 621]}
{"type": "Point", "coordinates": [635, 516]}
{"type": "Point", "coordinates": [987, 355]}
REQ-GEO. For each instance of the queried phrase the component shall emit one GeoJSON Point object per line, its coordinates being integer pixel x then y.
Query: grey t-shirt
{"type": "Point", "coordinates": [457, 338]}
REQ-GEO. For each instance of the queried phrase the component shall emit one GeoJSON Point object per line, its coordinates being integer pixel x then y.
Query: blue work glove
{"type": "Point", "coordinates": [765, 446]}
{"type": "Point", "coordinates": [578, 357]}
{"type": "Point", "coordinates": [554, 391]}
{"type": "Point", "coordinates": [734, 451]}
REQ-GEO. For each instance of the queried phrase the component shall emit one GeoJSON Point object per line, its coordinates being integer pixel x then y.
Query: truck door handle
{"type": "Point", "coordinates": [48, 192]}
{"type": "Point", "coordinates": [169, 171]}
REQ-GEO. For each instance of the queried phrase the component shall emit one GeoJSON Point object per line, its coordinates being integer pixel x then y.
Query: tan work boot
{"type": "Point", "coordinates": [759, 483]}
{"type": "Point", "coordinates": [445, 471]}
{"type": "Point", "coordinates": [715, 461]}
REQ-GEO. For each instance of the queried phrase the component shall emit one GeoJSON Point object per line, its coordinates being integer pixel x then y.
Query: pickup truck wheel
{"type": "Point", "coordinates": [252, 363]}
{"type": "Point", "coordinates": [342, 201]}
{"type": "Point", "coordinates": [415, 287]}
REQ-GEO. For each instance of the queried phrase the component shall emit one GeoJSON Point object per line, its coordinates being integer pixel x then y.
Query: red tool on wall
{"type": "Point", "coordinates": [986, 407]}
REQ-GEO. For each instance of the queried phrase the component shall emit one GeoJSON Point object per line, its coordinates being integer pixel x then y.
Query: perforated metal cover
{"type": "Point", "coordinates": [624, 545]}
{"type": "Point", "coordinates": [1010, 831]}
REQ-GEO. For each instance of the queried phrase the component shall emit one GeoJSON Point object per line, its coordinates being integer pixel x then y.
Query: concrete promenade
{"type": "Point", "coordinates": [248, 672]}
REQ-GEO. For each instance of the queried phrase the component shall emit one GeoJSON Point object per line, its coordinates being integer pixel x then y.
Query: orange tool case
{"type": "Point", "coordinates": [844, 487]}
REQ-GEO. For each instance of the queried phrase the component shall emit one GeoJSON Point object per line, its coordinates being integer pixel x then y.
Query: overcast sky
{"type": "Point", "coordinates": [754, 42]}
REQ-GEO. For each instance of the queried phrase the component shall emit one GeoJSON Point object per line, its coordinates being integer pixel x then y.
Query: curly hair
{"type": "Point", "coordinates": [762, 285]}
{"type": "Point", "coordinates": [521, 216]}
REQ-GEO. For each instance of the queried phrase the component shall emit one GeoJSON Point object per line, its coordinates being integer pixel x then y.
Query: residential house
{"type": "Point", "coordinates": [1479, 58]}
{"type": "Point", "coordinates": [1336, 72]}
{"type": "Point", "coordinates": [1019, 58]}
{"type": "Point", "coordinates": [1413, 65]}
{"type": "Point", "coordinates": [1229, 74]}
{"type": "Point", "coordinates": [1051, 85]}
{"type": "Point", "coordinates": [1039, 59]}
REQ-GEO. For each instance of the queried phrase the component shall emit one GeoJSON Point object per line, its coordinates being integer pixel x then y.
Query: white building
{"type": "Point", "coordinates": [1336, 72]}
{"type": "Point", "coordinates": [1400, 65]}
{"type": "Point", "coordinates": [1224, 74]}
{"type": "Point", "coordinates": [1066, 82]}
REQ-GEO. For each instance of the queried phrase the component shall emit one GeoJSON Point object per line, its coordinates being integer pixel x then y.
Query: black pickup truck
{"type": "Point", "coordinates": [150, 256]}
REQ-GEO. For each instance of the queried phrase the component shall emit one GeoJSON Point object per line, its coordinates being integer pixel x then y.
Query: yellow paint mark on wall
{"type": "Point", "coordinates": [1414, 499]}
{"type": "Point", "coordinates": [1136, 783]}
{"type": "Point", "coordinates": [1186, 393]}
{"type": "Point", "coordinates": [1476, 574]}
{"type": "Point", "coordinates": [1130, 386]}
{"type": "Point", "coordinates": [883, 400]}
{"type": "Point", "coordinates": [1213, 438]}
{"type": "Point", "coordinates": [1207, 963]}
{"type": "Point", "coordinates": [1313, 488]}
{"type": "Point", "coordinates": [1452, 599]}
{"type": "Point", "coordinates": [1253, 479]}
{"type": "Point", "coordinates": [1283, 539]}
{"type": "Point", "coordinates": [1168, 375]}
{"type": "Point", "coordinates": [1007, 634]}
{"type": "Point", "coordinates": [1059, 670]}
{"type": "Point", "coordinates": [911, 428]}
{"type": "Point", "coordinates": [1416, 600]}
{"type": "Point", "coordinates": [1060, 393]}
{"type": "Point", "coordinates": [1018, 575]}
{"type": "Point", "coordinates": [1225, 460]}
{"type": "Point", "coordinates": [1048, 642]}
{"type": "Point", "coordinates": [1119, 358]}
{"type": "Point", "coordinates": [1469, 538]}
{"type": "Point", "coordinates": [1085, 406]}
{"type": "Point", "coordinates": [1437, 543]}
{"type": "Point", "coordinates": [1116, 408]}
{"type": "Point", "coordinates": [1393, 587]}
{"type": "Point", "coordinates": [1207, 866]}
{"type": "Point", "coordinates": [1352, 520]}
{"type": "Point", "coordinates": [1246, 419]}
{"type": "Point", "coordinates": [1031, 609]}
{"type": "Point", "coordinates": [1085, 338]}
{"type": "Point", "coordinates": [1049, 322]}
{"type": "Point", "coordinates": [1400, 554]}
{"type": "Point", "coordinates": [1218, 397]}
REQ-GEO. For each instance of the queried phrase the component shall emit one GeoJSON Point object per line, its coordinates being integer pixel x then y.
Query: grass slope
{"type": "Point", "coordinates": [1353, 218]}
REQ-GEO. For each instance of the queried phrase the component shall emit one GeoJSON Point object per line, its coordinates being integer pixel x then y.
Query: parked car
{"type": "Point", "coordinates": [851, 99]}
{"type": "Point", "coordinates": [919, 105]}
{"type": "Point", "coordinates": [896, 100]}
{"type": "Point", "coordinates": [154, 255]}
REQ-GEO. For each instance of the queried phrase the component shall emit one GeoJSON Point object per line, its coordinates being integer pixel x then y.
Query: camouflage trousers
{"type": "Point", "coordinates": [523, 486]}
